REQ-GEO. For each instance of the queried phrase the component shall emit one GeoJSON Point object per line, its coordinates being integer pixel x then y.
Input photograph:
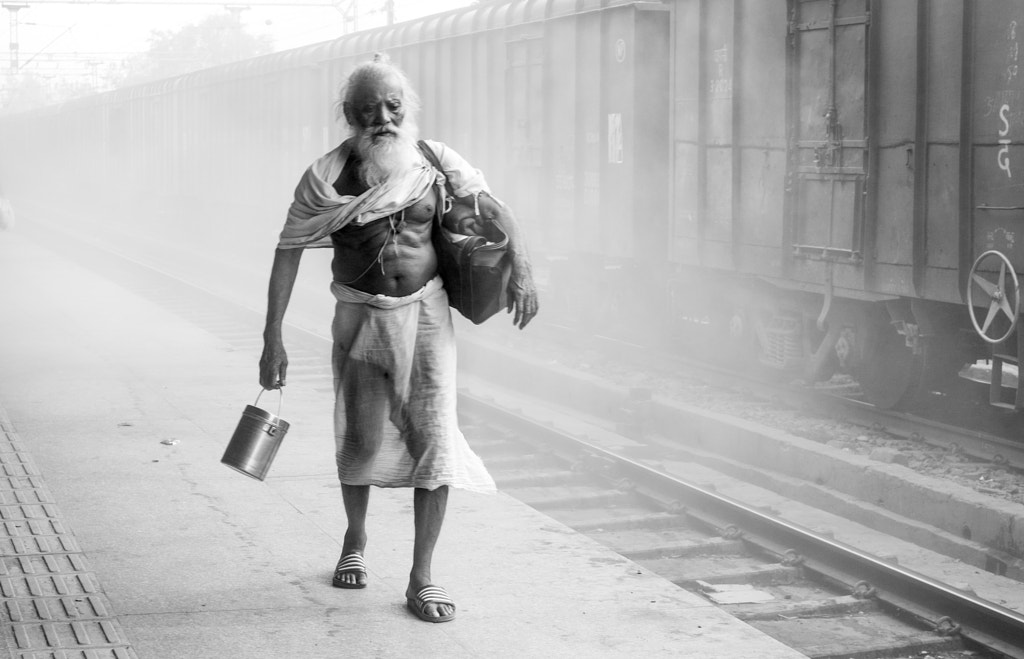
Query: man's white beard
{"type": "Point", "coordinates": [388, 155]}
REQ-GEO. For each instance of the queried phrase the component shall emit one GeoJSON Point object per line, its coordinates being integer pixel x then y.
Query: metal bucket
{"type": "Point", "coordinates": [258, 436]}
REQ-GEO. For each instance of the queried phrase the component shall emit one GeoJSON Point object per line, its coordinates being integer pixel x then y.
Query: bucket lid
{"type": "Point", "coordinates": [263, 415]}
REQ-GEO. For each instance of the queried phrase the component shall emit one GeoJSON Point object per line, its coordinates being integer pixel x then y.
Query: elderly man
{"type": "Point", "coordinates": [373, 200]}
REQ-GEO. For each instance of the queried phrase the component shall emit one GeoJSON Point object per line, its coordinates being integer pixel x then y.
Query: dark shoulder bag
{"type": "Point", "coordinates": [475, 269]}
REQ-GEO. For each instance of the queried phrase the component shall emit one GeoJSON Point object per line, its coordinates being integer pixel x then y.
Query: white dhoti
{"type": "Point", "coordinates": [395, 421]}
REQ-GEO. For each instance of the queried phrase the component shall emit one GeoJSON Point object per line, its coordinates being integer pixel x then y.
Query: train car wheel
{"type": "Point", "coordinates": [888, 372]}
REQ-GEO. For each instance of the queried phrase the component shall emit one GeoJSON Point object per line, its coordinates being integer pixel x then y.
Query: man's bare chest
{"type": "Point", "coordinates": [408, 224]}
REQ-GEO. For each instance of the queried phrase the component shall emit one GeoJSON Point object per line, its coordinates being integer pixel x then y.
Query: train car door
{"type": "Point", "coordinates": [828, 156]}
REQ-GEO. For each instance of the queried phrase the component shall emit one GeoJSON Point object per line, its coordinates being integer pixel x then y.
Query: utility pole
{"type": "Point", "coordinates": [13, 9]}
{"type": "Point", "coordinates": [350, 13]}
{"type": "Point", "coordinates": [349, 10]}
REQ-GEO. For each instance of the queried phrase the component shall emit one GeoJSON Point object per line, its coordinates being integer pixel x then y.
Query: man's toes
{"type": "Point", "coordinates": [438, 610]}
{"type": "Point", "coordinates": [435, 610]}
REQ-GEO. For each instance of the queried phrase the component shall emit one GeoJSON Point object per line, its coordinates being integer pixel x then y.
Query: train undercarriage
{"type": "Point", "coordinates": [892, 353]}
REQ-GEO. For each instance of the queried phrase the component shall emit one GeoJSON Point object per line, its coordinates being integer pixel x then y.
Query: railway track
{"type": "Point", "coordinates": [806, 590]}
{"type": "Point", "coordinates": [827, 599]}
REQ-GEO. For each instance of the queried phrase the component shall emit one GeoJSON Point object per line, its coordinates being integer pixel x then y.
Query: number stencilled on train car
{"type": "Point", "coordinates": [1012, 54]}
{"type": "Point", "coordinates": [1000, 238]}
{"type": "Point", "coordinates": [1003, 155]}
{"type": "Point", "coordinates": [998, 128]}
{"type": "Point", "coordinates": [720, 85]}
{"type": "Point", "coordinates": [1012, 69]}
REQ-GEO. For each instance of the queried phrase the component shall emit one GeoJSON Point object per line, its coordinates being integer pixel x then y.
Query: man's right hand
{"type": "Point", "coordinates": [273, 365]}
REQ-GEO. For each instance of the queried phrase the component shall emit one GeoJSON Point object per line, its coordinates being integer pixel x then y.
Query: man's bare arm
{"type": "Point", "coordinates": [522, 292]}
{"type": "Point", "coordinates": [274, 361]}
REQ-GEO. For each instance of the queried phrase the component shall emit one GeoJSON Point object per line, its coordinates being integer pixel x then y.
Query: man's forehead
{"type": "Point", "coordinates": [388, 86]}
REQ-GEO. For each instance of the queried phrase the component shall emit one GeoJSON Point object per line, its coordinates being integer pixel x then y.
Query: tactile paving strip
{"type": "Point", "coordinates": [51, 606]}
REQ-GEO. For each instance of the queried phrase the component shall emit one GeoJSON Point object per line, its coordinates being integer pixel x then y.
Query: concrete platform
{"type": "Point", "coordinates": [124, 411]}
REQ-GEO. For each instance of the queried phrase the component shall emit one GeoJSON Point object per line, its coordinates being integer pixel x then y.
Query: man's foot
{"type": "Point", "coordinates": [350, 571]}
{"type": "Point", "coordinates": [430, 603]}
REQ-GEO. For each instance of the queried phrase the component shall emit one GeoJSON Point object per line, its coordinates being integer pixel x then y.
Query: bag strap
{"type": "Point", "coordinates": [431, 157]}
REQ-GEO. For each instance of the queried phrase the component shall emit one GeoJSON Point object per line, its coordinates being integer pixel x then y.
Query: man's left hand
{"type": "Point", "coordinates": [522, 296]}
{"type": "Point", "coordinates": [522, 292]}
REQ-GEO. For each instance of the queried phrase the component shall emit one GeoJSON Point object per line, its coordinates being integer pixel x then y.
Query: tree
{"type": "Point", "coordinates": [24, 92]}
{"type": "Point", "coordinates": [217, 39]}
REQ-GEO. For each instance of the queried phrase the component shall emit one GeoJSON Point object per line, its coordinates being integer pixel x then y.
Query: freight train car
{"type": "Point", "coordinates": [848, 174]}
{"type": "Point", "coordinates": [818, 186]}
{"type": "Point", "coordinates": [563, 104]}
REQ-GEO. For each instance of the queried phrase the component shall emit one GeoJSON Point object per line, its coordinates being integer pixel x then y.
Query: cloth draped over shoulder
{"type": "Point", "coordinates": [318, 210]}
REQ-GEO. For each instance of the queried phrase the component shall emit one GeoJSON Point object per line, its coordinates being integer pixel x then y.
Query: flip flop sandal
{"type": "Point", "coordinates": [430, 595]}
{"type": "Point", "coordinates": [352, 563]}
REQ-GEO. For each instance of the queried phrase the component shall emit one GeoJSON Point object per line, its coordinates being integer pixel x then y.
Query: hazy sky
{"type": "Point", "coordinates": [65, 35]}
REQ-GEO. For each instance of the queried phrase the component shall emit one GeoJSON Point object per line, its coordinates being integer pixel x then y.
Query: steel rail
{"type": "Point", "coordinates": [982, 622]}
{"type": "Point", "coordinates": [974, 443]}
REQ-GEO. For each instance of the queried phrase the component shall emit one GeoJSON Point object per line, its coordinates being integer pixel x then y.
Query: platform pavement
{"type": "Point", "coordinates": [198, 561]}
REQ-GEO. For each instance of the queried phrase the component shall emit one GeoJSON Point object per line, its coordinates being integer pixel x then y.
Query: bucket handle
{"type": "Point", "coordinates": [279, 400]}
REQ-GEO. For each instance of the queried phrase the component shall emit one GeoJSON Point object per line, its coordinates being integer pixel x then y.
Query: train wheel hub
{"type": "Point", "coordinates": [1001, 297]}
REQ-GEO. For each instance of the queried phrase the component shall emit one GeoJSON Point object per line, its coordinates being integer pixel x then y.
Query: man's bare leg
{"type": "Point", "coordinates": [357, 499]}
{"type": "Point", "coordinates": [428, 509]}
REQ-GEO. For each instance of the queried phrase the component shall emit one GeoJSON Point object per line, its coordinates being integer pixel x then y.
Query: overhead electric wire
{"type": "Point", "coordinates": [52, 41]}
